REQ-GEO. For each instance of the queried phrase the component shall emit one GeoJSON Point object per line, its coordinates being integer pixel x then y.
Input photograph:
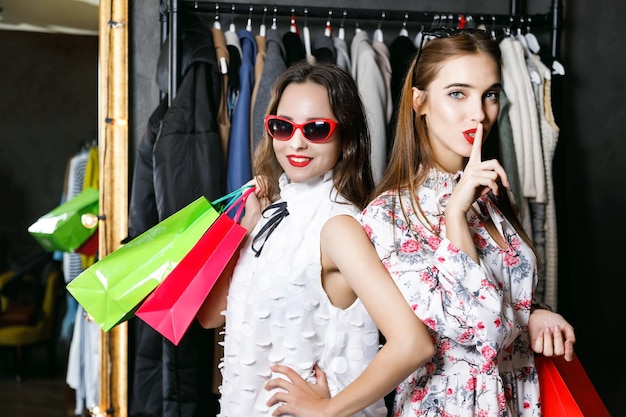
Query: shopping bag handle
{"type": "Point", "coordinates": [240, 202]}
{"type": "Point", "coordinates": [232, 197]}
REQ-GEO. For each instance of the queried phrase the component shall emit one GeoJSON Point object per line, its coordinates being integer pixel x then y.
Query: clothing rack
{"type": "Point", "coordinates": [170, 18]}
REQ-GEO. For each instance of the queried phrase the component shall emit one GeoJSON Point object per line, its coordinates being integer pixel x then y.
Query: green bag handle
{"type": "Point", "coordinates": [232, 197]}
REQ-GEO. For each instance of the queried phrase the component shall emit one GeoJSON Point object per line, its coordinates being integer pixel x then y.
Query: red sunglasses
{"type": "Point", "coordinates": [316, 130]}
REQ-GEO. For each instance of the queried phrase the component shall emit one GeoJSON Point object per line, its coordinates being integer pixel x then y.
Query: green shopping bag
{"type": "Point", "coordinates": [62, 228]}
{"type": "Point", "coordinates": [113, 288]}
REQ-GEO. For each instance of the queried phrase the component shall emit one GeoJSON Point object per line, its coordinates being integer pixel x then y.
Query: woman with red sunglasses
{"type": "Point", "coordinates": [308, 293]}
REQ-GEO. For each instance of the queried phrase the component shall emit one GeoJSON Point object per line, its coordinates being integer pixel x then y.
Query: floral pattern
{"type": "Point", "coordinates": [477, 313]}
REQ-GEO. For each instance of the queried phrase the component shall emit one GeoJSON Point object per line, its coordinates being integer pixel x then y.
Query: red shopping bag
{"type": "Point", "coordinates": [566, 390]}
{"type": "Point", "coordinates": [172, 306]}
{"type": "Point", "coordinates": [90, 247]}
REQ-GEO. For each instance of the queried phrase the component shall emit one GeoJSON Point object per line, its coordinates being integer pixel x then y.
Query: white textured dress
{"type": "Point", "coordinates": [278, 312]}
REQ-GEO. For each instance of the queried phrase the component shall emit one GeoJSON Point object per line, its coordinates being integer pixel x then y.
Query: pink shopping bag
{"type": "Point", "coordinates": [566, 390]}
{"type": "Point", "coordinates": [172, 306]}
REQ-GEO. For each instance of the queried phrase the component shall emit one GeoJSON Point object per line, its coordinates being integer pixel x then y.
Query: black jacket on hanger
{"type": "Point", "coordinates": [187, 154]}
{"type": "Point", "coordinates": [294, 47]}
{"type": "Point", "coordinates": [178, 160]}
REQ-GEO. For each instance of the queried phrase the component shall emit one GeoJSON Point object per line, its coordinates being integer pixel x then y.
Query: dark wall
{"type": "Point", "coordinates": [144, 46]}
{"type": "Point", "coordinates": [48, 108]}
{"type": "Point", "coordinates": [590, 178]}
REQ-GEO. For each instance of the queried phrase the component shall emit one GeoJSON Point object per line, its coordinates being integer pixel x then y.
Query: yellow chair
{"type": "Point", "coordinates": [4, 278]}
{"type": "Point", "coordinates": [41, 332]}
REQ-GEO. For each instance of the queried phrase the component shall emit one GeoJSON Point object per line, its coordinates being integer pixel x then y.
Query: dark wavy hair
{"type": "Point", "coordinates": [352, 175]}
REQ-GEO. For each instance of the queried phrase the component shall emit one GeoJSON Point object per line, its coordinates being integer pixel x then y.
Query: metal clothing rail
{"type": "Point", "coordinates": [224, 9]}
{"type": "Point", "coordinates": [171, 9]}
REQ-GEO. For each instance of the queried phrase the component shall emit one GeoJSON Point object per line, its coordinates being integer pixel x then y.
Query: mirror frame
{"type": "Point", "coordinates": [113, 150]}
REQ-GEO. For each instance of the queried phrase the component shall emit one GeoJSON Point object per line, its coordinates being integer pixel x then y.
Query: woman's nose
{"type": "Point", "coordinates": [477, 112]}
{"type": "Point", "coordinates": [298, 141]}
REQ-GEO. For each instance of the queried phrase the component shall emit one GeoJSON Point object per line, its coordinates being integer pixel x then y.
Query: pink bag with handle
{"type": "Point", "coordinates": [566, 390]}
{"type": "Point", "coordinates": [172, 306]}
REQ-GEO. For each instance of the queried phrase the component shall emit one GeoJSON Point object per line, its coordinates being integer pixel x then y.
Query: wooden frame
{"type": "Point", "coordinates": [113, 151]}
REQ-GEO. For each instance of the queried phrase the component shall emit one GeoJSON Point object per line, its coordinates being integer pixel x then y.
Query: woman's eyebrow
{"type": "Point", "coordinates": [464, 85]}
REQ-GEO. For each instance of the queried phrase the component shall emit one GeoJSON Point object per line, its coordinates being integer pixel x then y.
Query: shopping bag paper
{"type": "Point", "coordinates": [90, 246]}
{"type": "Point", "coordinates": [172, 307]}
{"type": "Point", "coordinates": [566, 390]}
{"type": "Point", "coordinates": [62, 228]}
{"type": "Point", "coordinates": [111, 289]}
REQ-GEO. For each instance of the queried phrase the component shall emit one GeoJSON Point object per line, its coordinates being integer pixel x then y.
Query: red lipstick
{"type": "Point", "coordinates": [298, 161]}
{"type": "Point", "coordinates": [469, 135]}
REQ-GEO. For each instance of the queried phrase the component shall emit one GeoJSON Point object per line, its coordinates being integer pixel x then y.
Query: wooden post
{"type": "Point", "coordinates": [113, 151]}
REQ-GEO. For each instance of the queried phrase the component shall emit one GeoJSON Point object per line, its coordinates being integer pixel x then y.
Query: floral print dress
{"type": "Point", "coordinates": [476, 313]}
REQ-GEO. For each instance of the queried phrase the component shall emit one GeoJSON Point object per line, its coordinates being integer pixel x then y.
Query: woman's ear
{"type": "Point", "coordinates": [418, 100]}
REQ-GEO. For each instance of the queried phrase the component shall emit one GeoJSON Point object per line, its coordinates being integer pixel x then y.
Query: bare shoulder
{"type": "Point", "coordinates": [341, 226]}
{"type": "Point", "coordinates": [344, 235]}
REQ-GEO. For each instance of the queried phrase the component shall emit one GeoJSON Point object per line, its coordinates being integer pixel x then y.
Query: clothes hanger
{"type": "Point", "coordinates": [293, 25]}
{"type": "Point", "coordinates": [378, 33]}
{"type": "Point", "coordinates": [482, 25]}
{"type": "Point", "coordinates": [232, 27]}
{"type": "Point", "coordinates": [557, 67]}
{"type": "Point", "coordinates": [216, 21]}
{"type": "Point", "coordinates": [531, 39]}
{"type": "Point", "coordinates": [443, 21]}
{"type": "Point", "coordinates": [534, 47]}
{"type": "Point", "coordinates": [462, 21]}
{"type": "Point", "coordinates": [517, 30]}
{"type": "Point", "coordinates": [217, 25]}
{"type": "Point", "coordinates": [274, 24]}
{"type": "Point", "coordinates": [493, 27]}
{"type": "Point", "coordinates": [306, 33]}
{"type": "Point", "coordinates": [403, 31]}
{"type": "Point", "coordinates": [328, 30]}
{"type": "Point", "coordinates": [449, 22]}
{"type": "Point", "coordinates": [418, 37]}
{"type": "Point", "coordinates": [262, 28]}
{"type": "Point", "coordinates": [249, 21]}
{"type": "Point", "coordinates": [357, 27]}
{"type": "Point", "coordinates": [342, 32]}
{"type": "Point", "coordinates": [439, 21]}
{"type": "Point", "coordinates": [435, 23]}
{"type": "Point", "coordinates": [534, 75]}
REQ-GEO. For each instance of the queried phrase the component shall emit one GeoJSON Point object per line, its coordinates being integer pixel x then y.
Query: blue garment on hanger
{"type": "Point", "coordinates": [239, 160]}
